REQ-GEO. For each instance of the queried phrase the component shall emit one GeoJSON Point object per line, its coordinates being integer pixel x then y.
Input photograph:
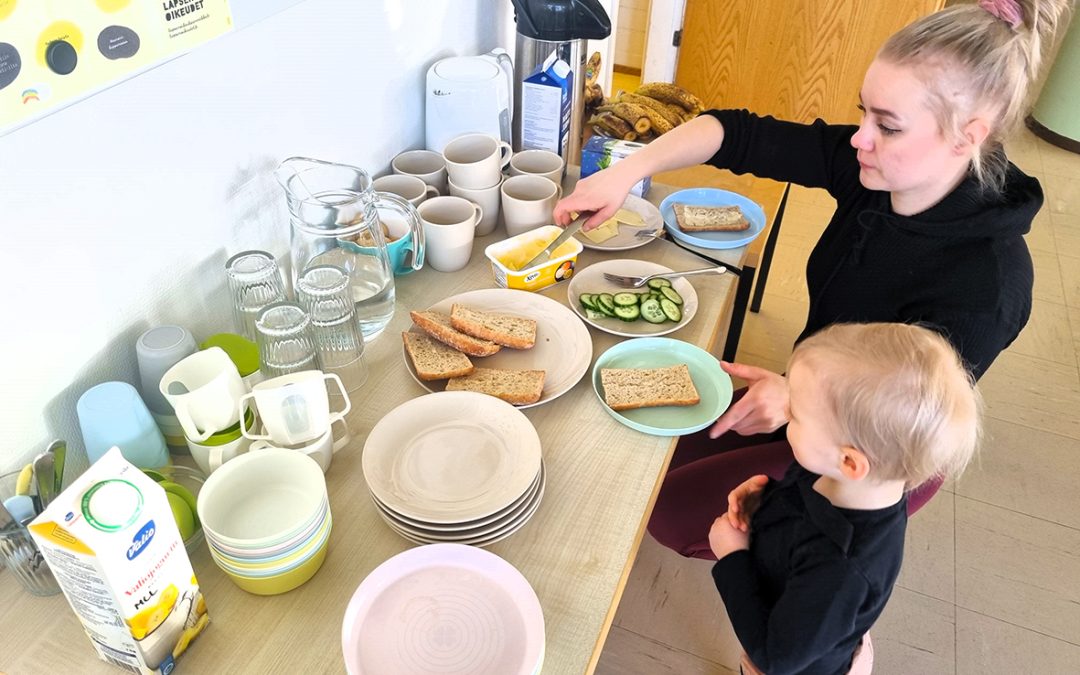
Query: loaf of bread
{"type": "Point", "coordinates": [438, 326]}
{"type": "Point", "coordinates": [433, 360]}
{"type": "Point", "coordinates": [629, 388]}
{"type": "Point", "coordinates": [710, 218]}
{"type": "Point", "coordinates": [519, 387]}
{"type": "Point", "coordinates": [503, 329]}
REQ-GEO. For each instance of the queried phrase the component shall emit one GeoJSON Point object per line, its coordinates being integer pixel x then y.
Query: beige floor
{"type": "Point", "coordinates": [991, 578]}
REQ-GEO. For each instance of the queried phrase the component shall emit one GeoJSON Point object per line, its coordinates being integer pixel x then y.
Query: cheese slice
{"type": "Point", "coordinates": [631, 218]}
{"type": "Point", "coordinates": [610, 227]}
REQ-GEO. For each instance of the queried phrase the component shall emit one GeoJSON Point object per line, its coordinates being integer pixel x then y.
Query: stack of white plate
{"type": "Point", "coordinates": [454, 466]}
{"type": "Point", "coordinates": [444, 608]}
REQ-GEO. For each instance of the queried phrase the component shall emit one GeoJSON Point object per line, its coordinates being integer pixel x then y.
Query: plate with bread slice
{"type": "Point", "coordinates": [712, 218]}
{"type": "Point", "coordinates": [659, 308]}
{"type": "Point", "coordinates": [521, 347]}
{"type": "Point", "coordinates": [661, 386]}
{"type": "Point", "coordinates": [626, 229]}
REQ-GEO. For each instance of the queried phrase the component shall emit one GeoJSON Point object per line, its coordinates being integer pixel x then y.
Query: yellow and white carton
{"type": "Point", "coordinates": [114, 547]}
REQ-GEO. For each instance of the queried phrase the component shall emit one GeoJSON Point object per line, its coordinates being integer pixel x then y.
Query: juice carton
{"type": "Point", "coordinates": [114, 548]}
{"type": "Point", "coordinates": [601, 152]}
{"type": "Point", "coordinates": [545, 106]}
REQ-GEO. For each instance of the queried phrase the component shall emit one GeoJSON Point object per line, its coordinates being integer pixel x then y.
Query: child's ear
{"type": "Point", "coordinates": [854, 465]}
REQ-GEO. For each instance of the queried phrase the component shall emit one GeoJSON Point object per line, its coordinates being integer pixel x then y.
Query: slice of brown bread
{"type": "Point", "coordinates": [438, 326]}
{"type": "Point", "coordinates": [432, 359]}
{"type": "Point", "coordinates": [629, 388]}
{"type": "Point", "coordinates": [709, 218]}
{"type": "Point", "coordinates": [509, 331]}
{"type": "Point", "coordinates": [520, 387]}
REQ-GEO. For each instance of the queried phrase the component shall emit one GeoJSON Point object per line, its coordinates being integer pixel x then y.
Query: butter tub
{"type": "Point", "coordinates": [507, 255]}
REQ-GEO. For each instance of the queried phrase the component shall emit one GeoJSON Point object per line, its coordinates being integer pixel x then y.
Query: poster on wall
{"type": "Point", "coordinates": [53, 52]}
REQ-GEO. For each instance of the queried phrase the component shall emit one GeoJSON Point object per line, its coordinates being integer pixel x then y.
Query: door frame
{"type": "Point", "coordinates": [661, 56]}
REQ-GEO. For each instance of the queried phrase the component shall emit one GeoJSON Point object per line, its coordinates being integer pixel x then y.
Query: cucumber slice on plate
{"type": "Point", "coordinates": [593, 315]}
{"type": "Point", "coordinates": [605, 303]}
{"type": "Point", "coordinates": [627, 312]}
{"type": "Point", "coordinates": [659, 283]}
{"type": "Point", "coordinates": [651, 311]}
{"type": "Point", "coordinates": [670, 310]}
{"type": "Point", "coordinates": [586, 300]}
{"type": "Point", "coordinates": [670, 293]}
{"type": "Point", "coordinates": [624, 299]}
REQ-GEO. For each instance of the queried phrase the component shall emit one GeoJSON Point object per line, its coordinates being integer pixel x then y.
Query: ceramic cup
{"type": "Point", "coordinates": [409, 188]}
{"type": "Point", "coordinates": [321, 449]}
{"type": "Point", "coordinates": [487, 199]}
{"type": "Point", "coordinates": [427, 165]}
{"type": "Point", "coordinates": [221, 447]}
{"type": "Point", "coordinates": [204, 389]}
{"type": "Point", "coordinates": [294, 408]}
{"type": "Point", "coordinates": [449, 226]}
{"type": "Point", "coordinates": [399, 242]}
{"type": "Point", "coordinates": [527, 203]}
{"type": "Point", "coordinates": [476, 161]}
{"type": "Point", "coordinates": [538, 163]}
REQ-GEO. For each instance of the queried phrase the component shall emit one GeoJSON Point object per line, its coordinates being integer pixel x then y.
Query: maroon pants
{"type": "Point", "coordinates": [702, 473]}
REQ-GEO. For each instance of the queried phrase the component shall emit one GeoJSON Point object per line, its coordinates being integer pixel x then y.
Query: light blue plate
{"type": "Point", "coordinates": [713, 197]}
{"type": "Point", "coordinates": [712, 384]}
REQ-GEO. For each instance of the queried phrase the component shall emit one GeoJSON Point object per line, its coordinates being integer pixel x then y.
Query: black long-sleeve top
{"type": "Point", "coordinates": [814, 580]}
{"type": "Point", "coordinates": [961, 266]}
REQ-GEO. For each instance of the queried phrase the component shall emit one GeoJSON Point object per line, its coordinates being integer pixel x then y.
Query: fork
{"type": "Point", "coordinates": [648, 234]}
{"type": "Point", "coordinates": [638, 282]}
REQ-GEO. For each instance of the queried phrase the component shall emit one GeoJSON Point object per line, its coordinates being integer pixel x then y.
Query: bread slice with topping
{"type": "Point", "coordinates": [519, 387]}
{"type": "Point", "coordinates": [438, 326]}
{"type": "Point", "coordinates": [433, 360]}
{"type": "Point", "coordinates": [629, 388]}
{"type": "Point", "coordinates": [710, 218]}
{"type": "Point", "coordinates": [509, 331]}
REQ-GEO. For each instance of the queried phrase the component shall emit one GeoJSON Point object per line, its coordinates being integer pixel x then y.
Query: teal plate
{"type": "Point", "coordinates": [712, 383]}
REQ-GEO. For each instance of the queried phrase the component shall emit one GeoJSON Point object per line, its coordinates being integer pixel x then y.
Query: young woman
{"type": "Point", "coordinates": [929, 221]}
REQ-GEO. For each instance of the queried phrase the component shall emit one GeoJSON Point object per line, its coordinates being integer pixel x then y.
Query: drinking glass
{"type": "Point", "coordinates": [19, 553]}
{"type": "Point", "coordinates": [323, 291]}
{"type": "Point", "coordinates": [283, 333]}
{"type": "Point", "coordinates": [255, 283]}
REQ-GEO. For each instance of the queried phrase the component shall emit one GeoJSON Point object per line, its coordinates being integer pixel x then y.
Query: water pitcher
{"type": "Point", "coordinates": [334, 215]}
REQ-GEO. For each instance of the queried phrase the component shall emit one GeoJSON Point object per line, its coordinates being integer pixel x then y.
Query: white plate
{"type": "Point", "coordinates": [443, 608]}
{"type": "Point", "coordinates": [625, 239]}
{"type": "Point", "coordinates": [563, 346]}
{"type": "Point", "coordinates": [591, 280]}
{"type": "Point", "coordinates": [451, 457]}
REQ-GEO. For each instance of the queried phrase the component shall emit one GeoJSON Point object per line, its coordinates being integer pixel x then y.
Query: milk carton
{"type": "Point", "coordinates": [545, 106]}
{"type": "Point", "coordinates": [113, 546]}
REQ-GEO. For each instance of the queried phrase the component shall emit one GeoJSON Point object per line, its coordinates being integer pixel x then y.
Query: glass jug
{"type": "Point", "coordinates": [335, 221]}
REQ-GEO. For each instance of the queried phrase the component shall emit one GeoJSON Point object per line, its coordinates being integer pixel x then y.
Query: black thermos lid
{"type": "Point", "coordinates": [561, 20]}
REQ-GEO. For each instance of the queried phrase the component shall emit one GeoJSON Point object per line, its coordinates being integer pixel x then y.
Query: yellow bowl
{"type": "Point", "coordinates": [507, 255]}
{"type": "Point", "coordinates": [282, 583]}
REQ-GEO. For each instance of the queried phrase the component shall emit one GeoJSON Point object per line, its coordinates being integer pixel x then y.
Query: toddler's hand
{"type": "Point", "coordinates": [744, 500]}
{"type": "Point", "coordinates": [762, 409]}
{"type": "Point", "coordinates": [725, 539]}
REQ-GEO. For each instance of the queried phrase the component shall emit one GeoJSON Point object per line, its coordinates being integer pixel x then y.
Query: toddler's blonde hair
{"type": "Point", "coordinates": [899, 394]}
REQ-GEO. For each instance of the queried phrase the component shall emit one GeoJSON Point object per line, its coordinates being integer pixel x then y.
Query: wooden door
{"type": "Point", "coordinates": [794, 59]}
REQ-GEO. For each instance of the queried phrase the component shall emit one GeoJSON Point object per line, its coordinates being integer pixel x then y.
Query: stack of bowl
{"type": "Point", "coordinates": [266, 518]}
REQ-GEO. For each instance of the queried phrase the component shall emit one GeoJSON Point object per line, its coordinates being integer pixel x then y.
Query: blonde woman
{"type": "Point", "coordinates": [930, 214]}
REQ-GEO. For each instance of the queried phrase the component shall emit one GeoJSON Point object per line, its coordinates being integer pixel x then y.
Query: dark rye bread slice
{"type": "Point", "coordinates": [438, 326]}
{"type": "Point", "coordinates": [509, 331]}
{"type": "Point", "coordinates": [629, 388]}
{"type": "Point", "coordinates": [709, 218]}
{"type": "Point", "coordinates": [519, 387]}
{"type": "Point", "coordinates": [433, 360]}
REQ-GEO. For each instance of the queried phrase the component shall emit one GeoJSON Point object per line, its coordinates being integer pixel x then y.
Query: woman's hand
{"type": "Point", "coordinates": [603, 193]}
{"type": "Point", "coordinates": [744, 500]}
{"type": "Point", "coordinates": [724, 538]}
{"type": "Point", "coordinates": [763, 409]}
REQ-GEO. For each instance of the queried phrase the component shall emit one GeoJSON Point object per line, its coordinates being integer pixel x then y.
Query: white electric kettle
{"type": "Point", "coordinates": [469, 94]}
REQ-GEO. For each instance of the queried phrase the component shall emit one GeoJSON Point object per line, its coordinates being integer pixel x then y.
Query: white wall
{"type": "Point", "coordinates": [117, 213]}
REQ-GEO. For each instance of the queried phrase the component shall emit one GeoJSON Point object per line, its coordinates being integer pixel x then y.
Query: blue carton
{"type": "Point", "coordinates": [545, 106]}
{"type": "Point", "coordinates": [600, 152]}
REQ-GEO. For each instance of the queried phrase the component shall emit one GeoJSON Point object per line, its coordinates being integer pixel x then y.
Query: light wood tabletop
{"type": "Point", "coordinates": [576, 551]}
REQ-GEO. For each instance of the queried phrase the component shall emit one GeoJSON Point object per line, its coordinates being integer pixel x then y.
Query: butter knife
{"type": "Point", "coordinates": [569, 231]}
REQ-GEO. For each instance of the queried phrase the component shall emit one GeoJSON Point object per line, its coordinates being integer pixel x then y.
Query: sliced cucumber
{"type": "Point", "coordinates": [670, 310]}
{"type": "Point", "coordinates": [624, 299]}
{"type": "Point", "coordinates": [586, 300]}
{"type": "Point", "coordinates": [627, 312]}
{"type": "Point", "coordinates": [659, 283]}
{"type": "Point", "coordinates": [671, 295]}
{"type": "Point", "coordinates": [651, 311]}
{"type": "Point", "coordinates": [605, 303]}
{"type": "Point", "coordinates": [593, 315]}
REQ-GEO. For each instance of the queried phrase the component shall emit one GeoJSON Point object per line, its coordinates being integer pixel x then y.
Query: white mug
{"type": "Point", "coordinates": [204, 389]}
{"type": "Point", "coordinates": [527, 203]}
{"type": "Point", "coordinates": [476, 161]}
{"type": "Point", "coordinates": [294, 408]}
{"type": "Point", "coordinates": [538, 163]}
{"type": "Point", "coordinates": [427, 165]}
{"type": "Point", "coordinates": [449, 227]}
{"type": "Point", "coordinates": [409, 188]}
{"type": "Point", "coordinates": [321, 449]}
{"type": "Point", "coordinates": [211, 457]}
{"type": "Point", "coordinates": [488, 199]}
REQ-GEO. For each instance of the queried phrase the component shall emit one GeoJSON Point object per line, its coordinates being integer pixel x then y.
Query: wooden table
{"type": "Point", "coordinates": [576, 551]}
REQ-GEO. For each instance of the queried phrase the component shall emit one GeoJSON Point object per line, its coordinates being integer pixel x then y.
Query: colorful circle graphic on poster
{"type": "Point", "coordinates": [112, 5]}
{"type": "Point", "coordinates": [10, 64]}
{"type": "Point", "coordinates": [6, 8]}
{"type": "Point", "coordinates": [58, 31]}
{"type": "Point", "coordinates": [118, 42]}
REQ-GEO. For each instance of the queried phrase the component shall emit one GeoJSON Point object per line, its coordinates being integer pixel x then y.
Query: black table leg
{"type": "Point", "coordinates": [738, 313]}
{"type": "Point", "coordinates": [767, 253]}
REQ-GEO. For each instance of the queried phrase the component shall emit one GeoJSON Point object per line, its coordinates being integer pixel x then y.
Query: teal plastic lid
{"type": "Point", "coordinates": [243, 352]}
